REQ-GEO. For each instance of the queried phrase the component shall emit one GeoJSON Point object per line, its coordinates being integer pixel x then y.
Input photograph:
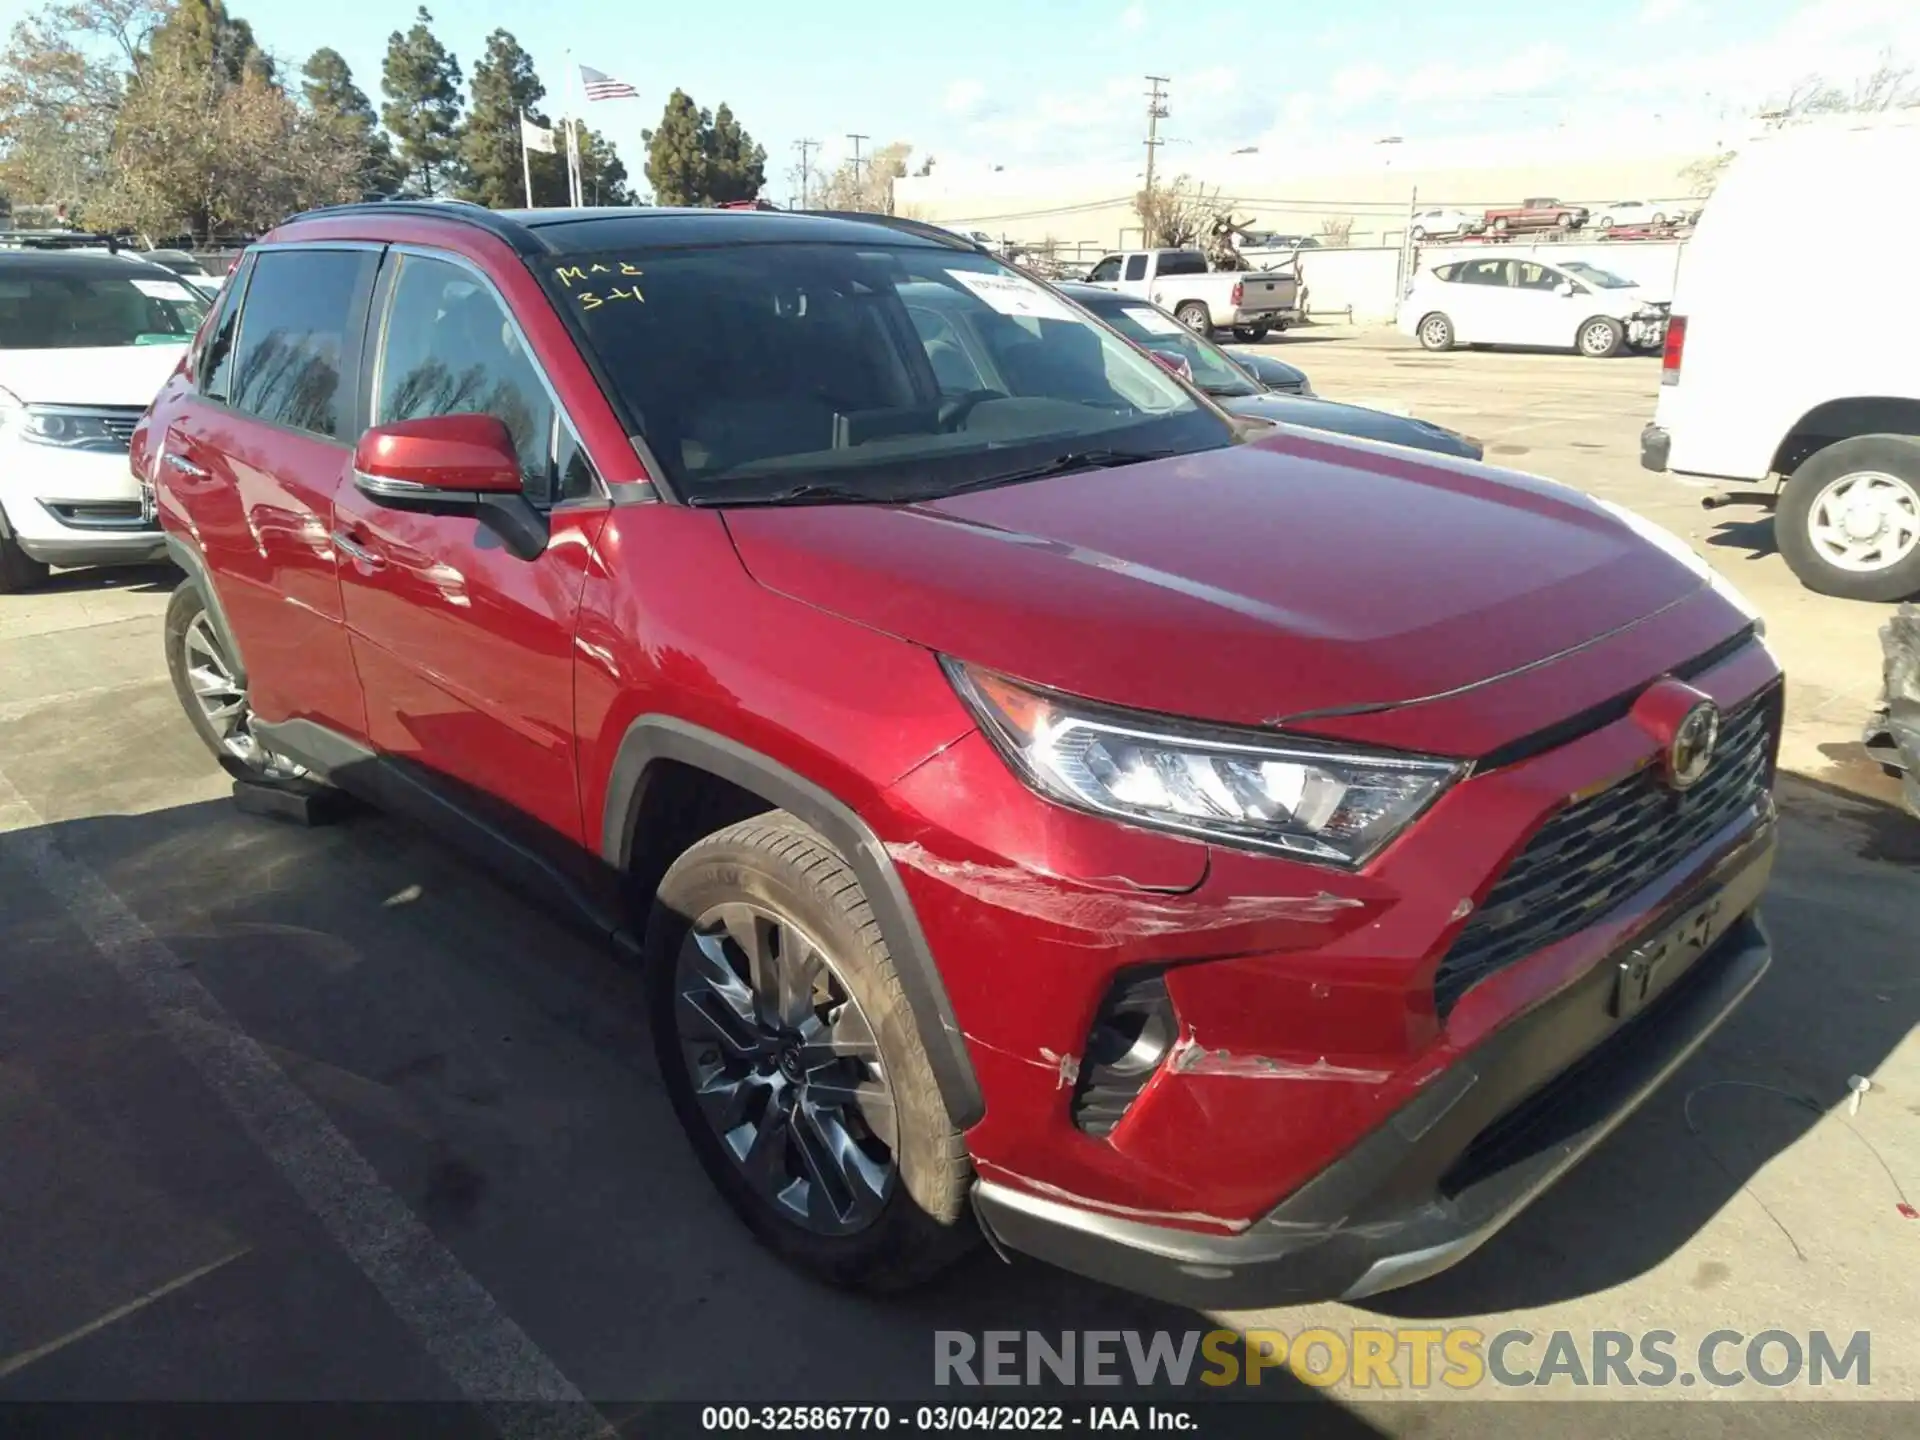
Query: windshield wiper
{"type": "Point", "coordinates": [811, 491]}
{"type": "Point", "coordinates": [1061, 465]}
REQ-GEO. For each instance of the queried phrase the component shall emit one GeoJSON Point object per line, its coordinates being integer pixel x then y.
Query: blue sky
{"type": "Point", "coordinates": [1019, 83]}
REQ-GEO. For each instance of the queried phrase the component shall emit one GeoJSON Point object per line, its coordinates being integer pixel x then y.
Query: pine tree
{"type": "Point", "coordinates": [504, 85]}
{"type": "Point", "coordinates": [343, 111]}
{"type": "Point", "coordinates": [696, 158]}
{"type": "Point", "coordinates": [421, 80]}
{"type": "Point", "coordinates": [736, 167]}
{"type": "Point", "coordinates": [201, 34]}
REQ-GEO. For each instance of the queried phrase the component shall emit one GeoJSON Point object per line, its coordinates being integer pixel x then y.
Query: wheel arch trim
{"type": "Point", "coordinates": [652, 738]}
{"type": "Point", "coordinates": [185, 555]}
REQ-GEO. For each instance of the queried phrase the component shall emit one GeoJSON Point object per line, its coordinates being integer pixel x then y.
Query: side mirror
{"type": "Point", "coordinates": [1565, 287]}
{"type": "Point", "coordinates": [451, 465]}
{"type": "Point", "coordinates": [1177, 364]}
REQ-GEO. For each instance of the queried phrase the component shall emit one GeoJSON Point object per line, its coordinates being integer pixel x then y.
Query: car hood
{"type": "Point", "coordinates": [117, 375]}
{"type": "Point", "coordinates": [1299, 573]}
{"type": "Point", "coordinates": [1353, 420]}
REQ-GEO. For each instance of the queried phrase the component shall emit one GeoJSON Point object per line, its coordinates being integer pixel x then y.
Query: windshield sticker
{"type": "Point", "coordinates": [163, 289]}
{"type": "Point", "coordinates": [1011, 295]}
{"type": "Point", "coordinates": [585, 284]}
{"type": "Point", "coordinates": [1152, 321]}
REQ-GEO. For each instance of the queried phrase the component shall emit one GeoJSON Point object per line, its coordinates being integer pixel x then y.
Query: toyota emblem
{"type": "Point", "coordinates": [1689, 754]}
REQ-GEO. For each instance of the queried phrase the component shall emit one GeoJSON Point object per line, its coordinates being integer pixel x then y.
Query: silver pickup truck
{"type": "Point", "coordinates": [1247, 302]}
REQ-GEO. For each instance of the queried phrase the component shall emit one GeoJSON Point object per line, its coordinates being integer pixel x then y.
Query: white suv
{"type": "Point", "coordinates": [86, 339]}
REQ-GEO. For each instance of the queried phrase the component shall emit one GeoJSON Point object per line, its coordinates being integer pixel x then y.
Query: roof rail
{"type": "Point", "coordinates": [466, 212]}
{"type": "Point", "coordinates": [924, 229]}
{"type": "Point", "coordinates": [65, 240]}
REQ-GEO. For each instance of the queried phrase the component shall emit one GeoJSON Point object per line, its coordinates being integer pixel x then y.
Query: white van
{"type": "Point", "coordinates": [1792, 361]}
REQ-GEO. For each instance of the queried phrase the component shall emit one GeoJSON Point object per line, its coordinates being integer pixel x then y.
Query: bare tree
{"type": "Point", "coordinates": [1178, 214]}
{"type": "Point", "coordinates": [1890, 85]}
{"type": "Point", "coordinates": [867, 185]}
{"type": "Point", "coordinates": [1336, 231]}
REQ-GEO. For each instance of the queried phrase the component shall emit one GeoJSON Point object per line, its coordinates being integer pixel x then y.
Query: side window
{"type": "Point", "coordinates": [1136, 267]}
{"type": "Point", "coordinates": [1447, 272]}
{"type": "Point", "coordinates": [1182, 262]}
{"type": "Point", "coordinates": [214, 367]}
{"type": "Point", "coordinates": [448, 348]}
{"type": "Point", "coordinates": [1483, 272]}
{"type": "Point", "coordinates": [1536, 277]}
{"type": "Point", "coordinates": [301, 307]}
{"type": "Point", "coordinates": [573, 473]}
{"type": "Point", "coordinates": [1107, 269]}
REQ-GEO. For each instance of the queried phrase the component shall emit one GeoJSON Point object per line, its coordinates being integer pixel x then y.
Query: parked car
{"type": "Point", "coordinates": [1635, 213]}
{"type": "Point", "coordinates": [187, 267]}
{"type": "Point", "coordinates": [1501, 301]}
{"type": "Point", "coordinates": [1427, 224]}
{"type": "Point", "coordinates": [1537, 214]}
{"type": "Point", "coordinates": [1289, 400]}
{"type": "Point", "coordinates": [1024, 808]}
{"type": "Point", "coordinates": [85, 340]}
{"type": "Point", "coordinates": [1251, 303]}
{"type": "Point", "coordinates": [1273, 373]}
{"type": "Point", "coordinates": [1892, 733]}
{"type": "Point", "coordinates": [1832, 439]}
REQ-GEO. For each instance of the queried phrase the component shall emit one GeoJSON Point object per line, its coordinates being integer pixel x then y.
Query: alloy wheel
{"type": "Point", "coordinates": [785, 1068]}
{"type": "Point", "coordinates": [1866, 521]}
{"type": "Point", "coordinates": [222, 699]}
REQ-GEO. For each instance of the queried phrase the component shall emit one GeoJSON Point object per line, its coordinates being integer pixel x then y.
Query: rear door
{"type": "Point", "coordinates": [254, 458]}
{"type": "Point", "coordinates": [466, 651]}
{"type": "Point", "coordinates": [1542, 315]}
{"type": "Point", "coordinates": [1480, 305]}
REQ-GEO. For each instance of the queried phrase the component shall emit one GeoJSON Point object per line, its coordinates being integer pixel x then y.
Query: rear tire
{"type": "Point", "coordinates": [753, 1036]}
{"type": "Point", "coordinates": [1600, 337]}
{"type": "Point", "coordinates": [1195, 317]}
{"type": "Point", "coordinates": [209, 688]}
{"type": "Point", "coordinates": [1251, 334]}
{"type": "Point", "coordinates": [1435, 332]}
{"type": "Point", "coordinates": [18, 570]}
{"type": "Point", "coordinates": [1877, 478]}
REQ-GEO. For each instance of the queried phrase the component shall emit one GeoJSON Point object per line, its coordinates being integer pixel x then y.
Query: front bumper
{"type": "Point", "coordinates": [77, 507]}
{"type": "Point", "coordinates": [137, 547]}
{"type": "Point", "coordinates": [1482, 1139]}
{"type": "Point", "coordinates": [1655, 446]}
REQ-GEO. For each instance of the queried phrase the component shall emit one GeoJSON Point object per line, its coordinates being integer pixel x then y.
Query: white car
{"type": "Point", "coordinates": [86, 340]}
{"type": "Point", "coordinates": [188, 268]}
{"type": "Point", "coordinates": [1429, 223]}
{"type": "Point", "coordinates": [1504, 301]}
{"type": "Point", "coordinates": [1634, 212]}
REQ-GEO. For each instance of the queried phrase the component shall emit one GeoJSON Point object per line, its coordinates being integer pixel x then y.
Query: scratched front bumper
{"type": "Point", "coordinates": [1448, 1170]}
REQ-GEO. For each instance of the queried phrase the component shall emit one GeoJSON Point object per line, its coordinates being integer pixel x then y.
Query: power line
{"type": "Point", "coordinates": [856, 139]}
{"type": "Point", "coordinates": [1156, 112]}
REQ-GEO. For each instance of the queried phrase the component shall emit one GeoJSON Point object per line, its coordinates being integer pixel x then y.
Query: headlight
{"type": "Point", "coordinates": [1323, 803]}
{"type": "Point", "coordinates": [1679, 549]}
{"type": "Point", "coordinates": [66, 429]}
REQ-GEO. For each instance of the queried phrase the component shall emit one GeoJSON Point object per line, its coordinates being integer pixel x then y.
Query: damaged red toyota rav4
{"type": "Point", "coordinates": [1039, 807]}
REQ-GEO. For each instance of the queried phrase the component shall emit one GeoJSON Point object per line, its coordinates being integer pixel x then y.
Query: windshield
{"type": "Point", "coordinates": [1594, 275]}
{"type": "Point", "coordinates": [1213, 371]}
{"type": "Point", "coordinates": [95, 309]}
{"type": "Point", "coordinates": [889, 372]}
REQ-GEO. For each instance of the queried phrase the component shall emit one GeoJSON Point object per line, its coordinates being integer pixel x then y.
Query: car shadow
{"type": "Point", "coordinates": [495, 1071]}
{"type": "Point", "coordinates": [1753, 535]}
{"type": "Point", "coordinates": [140, 579]}
{"type": "Point", "coordinates": [1842, 910]}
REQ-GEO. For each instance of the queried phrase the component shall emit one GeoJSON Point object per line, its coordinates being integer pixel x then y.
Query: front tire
{"type": "Point", "coordinates": [1848, 522]}
{"type": "Point", "coordinates": [794, 1063]}
{"type": "Point", "coordinates": [210, 690]}
{"type": "Point", "coordinates": [1601, 337]}
{"type": "Point", "coordinates": [1251, 334]}
{"type": "Point", "coordinates": [1435, 332]}
{"type": "Point", "coordinates": [1195, 317]}
{"type": "Point", "coordinates": [18, 570]}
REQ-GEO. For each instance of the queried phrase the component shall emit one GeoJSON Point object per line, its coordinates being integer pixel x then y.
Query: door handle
{"type": "Point", "coordinates": [364, 556]}
{"type": "Point", "coordinates": [186, 466]}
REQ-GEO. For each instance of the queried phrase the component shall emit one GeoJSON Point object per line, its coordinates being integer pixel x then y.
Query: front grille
{"type": "Point", "coordinates": [121, 426]}
{"type": "Point", "coordinates": [98, 514]}
{"type": "Point", "coordinates": [1598, 852]}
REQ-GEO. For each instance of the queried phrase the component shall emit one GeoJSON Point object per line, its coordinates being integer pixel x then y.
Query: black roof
{"type": "Point", "coordinates": [566, 231]}
{"type": "Point", "coordinates": [71, 261]}
{"type": "Point", "coordinates": [1087, 294]}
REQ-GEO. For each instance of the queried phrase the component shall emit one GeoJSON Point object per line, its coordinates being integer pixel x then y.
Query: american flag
{"type": "Point", "coordinates": [601, 86]}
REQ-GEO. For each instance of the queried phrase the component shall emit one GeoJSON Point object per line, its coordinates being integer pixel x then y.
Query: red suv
{"type": "Point", "coordinates": [1244, 869]}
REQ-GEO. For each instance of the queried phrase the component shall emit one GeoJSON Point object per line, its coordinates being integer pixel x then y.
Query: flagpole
{"type": "Point", "coordinates": [574, 188]}
{"type": "Point", "coordinates": [526, 160]}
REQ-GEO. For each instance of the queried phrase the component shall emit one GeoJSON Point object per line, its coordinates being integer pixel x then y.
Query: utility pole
{"type": "Point", "coordinates": [856, 139]}
{"type": "Point", "coordinates": [1156, 112]}
{"type": "Point", "coordinates": [806, 148]}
